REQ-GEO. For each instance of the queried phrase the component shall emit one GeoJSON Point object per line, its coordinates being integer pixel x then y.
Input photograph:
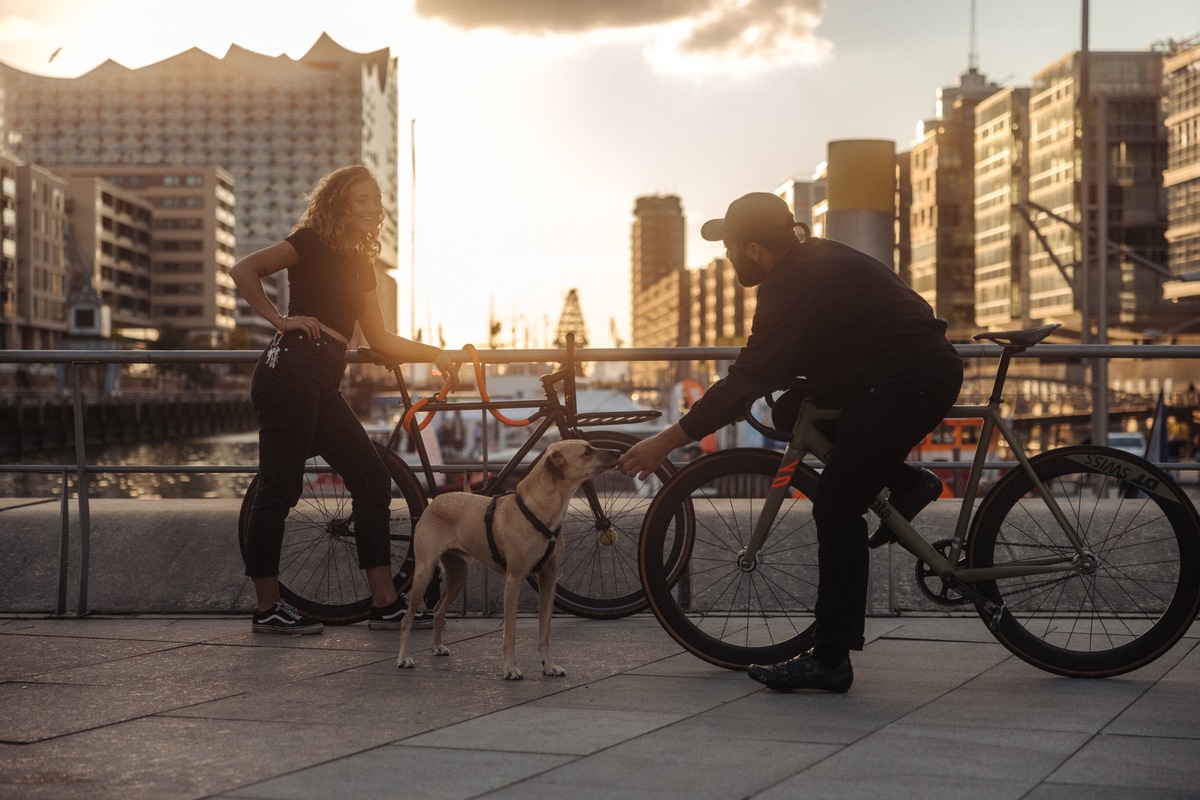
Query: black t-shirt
{"type": "Point", "coordinates": [328, 284]}
{"type": "Point", "coordinates": [841, 319]}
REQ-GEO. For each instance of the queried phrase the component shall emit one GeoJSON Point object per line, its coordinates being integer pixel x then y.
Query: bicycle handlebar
{"type": "Point", "coordinates": [771, 433]}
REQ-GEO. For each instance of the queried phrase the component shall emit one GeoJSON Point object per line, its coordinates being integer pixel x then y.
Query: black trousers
{"type": "Point", "coordinates": [872, 437]}
{"type": "Point", "coordinates": [301, 413]}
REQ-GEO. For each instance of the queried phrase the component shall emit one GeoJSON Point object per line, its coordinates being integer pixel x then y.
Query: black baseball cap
{"type": "Point", "coordinates": [754, 217]}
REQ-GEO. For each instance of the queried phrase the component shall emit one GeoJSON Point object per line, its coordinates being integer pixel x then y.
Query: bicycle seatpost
{"type": "Point", "coordinates": [1002, 372]}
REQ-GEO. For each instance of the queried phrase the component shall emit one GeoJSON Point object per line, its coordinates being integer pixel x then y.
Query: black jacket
{"type": "Point", "coordinates": [841, 319]}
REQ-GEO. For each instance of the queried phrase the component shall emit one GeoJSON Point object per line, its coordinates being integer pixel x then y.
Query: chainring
{"type": "Point", "coordinates": [931, 584]}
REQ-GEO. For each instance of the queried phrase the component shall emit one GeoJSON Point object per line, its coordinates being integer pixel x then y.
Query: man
{"type": "Point", "coordinates": [867, 344]}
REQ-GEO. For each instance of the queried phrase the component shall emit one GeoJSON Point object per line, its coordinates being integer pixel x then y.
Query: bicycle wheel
{"type": "Point", "coordinates": [598, 572]}
{"type": "Point", "coordinates": [725, 614]}
{"type": "Point", "coordinates": [318, 565]}
{"type": "Point", "coordinates": [1142, 590]}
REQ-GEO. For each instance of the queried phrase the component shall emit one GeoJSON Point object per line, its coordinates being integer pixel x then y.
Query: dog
{"type": "Point", "coordinates": [516, 535]}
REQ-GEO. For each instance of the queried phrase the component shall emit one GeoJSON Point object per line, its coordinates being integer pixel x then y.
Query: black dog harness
{"type": "Point", "coordinates": [551, 535]}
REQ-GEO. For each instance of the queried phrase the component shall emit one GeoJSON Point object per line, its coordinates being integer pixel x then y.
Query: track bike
{"type": "Point", "coordinates": [598, 576]}
{"type": "Point", "coordinates": [1082, 560]}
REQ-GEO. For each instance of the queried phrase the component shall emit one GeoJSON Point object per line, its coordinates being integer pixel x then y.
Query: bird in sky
{"type": "Point", "coordinates": [54, 55]}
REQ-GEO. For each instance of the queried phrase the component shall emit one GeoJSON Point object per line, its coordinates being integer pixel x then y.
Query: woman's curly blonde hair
{"type": "Point", "coordinates": [328, 216]}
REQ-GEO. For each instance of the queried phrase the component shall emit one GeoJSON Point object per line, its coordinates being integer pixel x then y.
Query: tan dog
{"type": "Point", "coordinates": [523, 541]}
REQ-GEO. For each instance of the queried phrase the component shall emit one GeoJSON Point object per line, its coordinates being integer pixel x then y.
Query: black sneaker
{"type": "Point", "coordinates": [908, 504]}
{"type": "Point", "coordinates": [282, 618]}
{"type": "Point", "coordinates": [389, 619]}
{"type": "Point", "coordinates": [804, 672]}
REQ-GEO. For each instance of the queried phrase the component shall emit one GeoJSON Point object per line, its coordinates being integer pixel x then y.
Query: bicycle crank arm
{"type": "Point", "coordinates": [994, 612]}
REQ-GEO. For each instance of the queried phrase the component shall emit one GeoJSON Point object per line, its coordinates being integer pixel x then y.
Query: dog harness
{"type": "Point", "coordinates": [539, 526]}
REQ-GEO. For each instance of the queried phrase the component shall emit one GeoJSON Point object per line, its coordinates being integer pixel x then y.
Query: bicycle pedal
{"type": "Point", "coordinates": [994, 612]}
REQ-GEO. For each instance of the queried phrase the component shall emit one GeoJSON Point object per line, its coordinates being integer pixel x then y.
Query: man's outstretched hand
{"type": "Point", "coordinates": [648, 455]}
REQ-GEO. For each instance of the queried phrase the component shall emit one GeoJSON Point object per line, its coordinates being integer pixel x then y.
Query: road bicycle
{"type": "Point", "coordinates": [598, 575]}
{"type": "Point", "coordinates": [1082, 560]}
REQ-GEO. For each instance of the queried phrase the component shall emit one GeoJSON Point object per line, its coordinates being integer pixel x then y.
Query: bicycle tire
{"type": "Point", "coordinates": [1142, 595]}
{"type": "Point", "coordinates": [318, 568]}
{"type": "Point", "coordinates": [598, 572]}
{"type": "Point", "coordinates": [718, 611]}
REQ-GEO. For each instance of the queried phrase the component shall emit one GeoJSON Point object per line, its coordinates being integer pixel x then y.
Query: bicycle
{"type": "Point", "coordinates": [598, 576]}
{"type": "Point", "coordinates": [1083, 560]}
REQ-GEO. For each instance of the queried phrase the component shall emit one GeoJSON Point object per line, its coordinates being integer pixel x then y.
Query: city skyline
{"type": "Point", "coordinates": [531, 150]}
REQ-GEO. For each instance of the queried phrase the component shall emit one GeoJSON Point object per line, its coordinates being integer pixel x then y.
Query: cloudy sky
{"type": "Point", "coordinates": [539, 122]}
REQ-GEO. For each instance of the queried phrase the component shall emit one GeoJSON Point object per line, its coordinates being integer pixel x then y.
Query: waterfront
{"type": "Point", "coordinates": [234, 449]}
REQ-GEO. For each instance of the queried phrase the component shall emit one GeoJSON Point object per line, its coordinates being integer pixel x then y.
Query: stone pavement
{"type": "Point", "coordinates": [188, 707]}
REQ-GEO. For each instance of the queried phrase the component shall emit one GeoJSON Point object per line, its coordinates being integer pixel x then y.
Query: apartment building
{"type": "Point", "coordinates": [1181, 90]}
{"type": "Point", "coordinates": [193, 245]}
{"type": "Point", "coordinates": [1126, 91]}
{"type": "Point", "coordinates": [109, 244]}
{"type": "Point", "coordinates": [33, 260]}
{"type": "Point", "coordinates": [942, 215]}
{"type": "Point", "coordinates": [1001, 190]}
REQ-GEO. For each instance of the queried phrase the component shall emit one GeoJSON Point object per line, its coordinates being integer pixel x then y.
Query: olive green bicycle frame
{"type": "Point", "coordinates": [806, 439]}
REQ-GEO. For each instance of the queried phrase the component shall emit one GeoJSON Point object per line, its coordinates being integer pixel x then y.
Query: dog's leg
{"type": "Point", "coordinates": [512, 592]}
{"type": "Point", "coordinates": [547, 585]}
{"type": "Point", "coordinates": [422, 574]}
{"type": "Point", "coordinates": [455, 568]}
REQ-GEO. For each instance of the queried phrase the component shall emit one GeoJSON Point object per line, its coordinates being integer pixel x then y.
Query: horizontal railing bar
{"type": "Point", "coordinates": [1045, 351]}
{"type": "Point", "coordinates": [206, 469]}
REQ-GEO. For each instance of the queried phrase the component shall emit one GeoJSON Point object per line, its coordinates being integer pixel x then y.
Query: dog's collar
{"type": "Point", "coordinates": [540, 526]}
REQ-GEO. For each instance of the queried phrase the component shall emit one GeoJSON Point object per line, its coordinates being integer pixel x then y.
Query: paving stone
{"type": "Point", "coordinates": [661, 764]}
{"type": "Point", "coordinates": [418, 772]}
{"type": "Point", "coordinates": [167, 758]}
{"type": "Point", "coordinates": [1134, 761]}
{"type": "Point", "coordinates": [537, 728]}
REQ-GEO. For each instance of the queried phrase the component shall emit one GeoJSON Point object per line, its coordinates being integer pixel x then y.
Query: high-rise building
{"type": "Point", "coordinates": [1126, 89]}
{"type": "Point", "coordinates": [1001, 189]}
{"type": "Point", "coordinates": [660, 291]}
{"type": "Point", "coordinates": [942, 215]}
{"type": "Point", "coordinates": [274, 123]}
{"type": "Point", "coordinates": [1181, 88]}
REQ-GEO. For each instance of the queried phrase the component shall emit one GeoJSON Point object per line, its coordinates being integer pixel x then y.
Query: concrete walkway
{"type": "Point", "coordinates": [187, 707]}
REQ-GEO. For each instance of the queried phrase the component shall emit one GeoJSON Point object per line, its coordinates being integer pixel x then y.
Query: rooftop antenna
{"type": "Point", "coordinates": [973, 55]}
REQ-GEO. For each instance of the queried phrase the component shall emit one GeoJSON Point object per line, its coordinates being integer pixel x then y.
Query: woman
{"type": "Point", "coordinates": [331, 278]}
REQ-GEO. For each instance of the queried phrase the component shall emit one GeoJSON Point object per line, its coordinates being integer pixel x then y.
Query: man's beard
{"type": "Point", "coordinates": [749, 274]}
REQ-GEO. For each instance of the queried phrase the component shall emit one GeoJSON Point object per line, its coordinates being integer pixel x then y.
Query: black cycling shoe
{"type": "Point", "coordinates": [804, 672]}
{"type": "Point", "coordinates": [908, 504]}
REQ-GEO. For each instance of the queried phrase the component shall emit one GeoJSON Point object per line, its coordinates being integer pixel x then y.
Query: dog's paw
{"type": "Point", "coordinates": [404, 663]}
{"type": "Point", "coordinates": [513, 674]}
{"type": "Point", "coordinates": [554, 671]}
{"type": "Point", "coordinates": [441, 650]}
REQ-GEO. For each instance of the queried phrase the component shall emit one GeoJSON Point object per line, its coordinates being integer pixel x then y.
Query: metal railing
{"type": "Point", "coordinates": [75, 361]}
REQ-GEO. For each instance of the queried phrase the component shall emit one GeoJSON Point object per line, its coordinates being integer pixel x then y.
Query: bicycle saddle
{"type": "Point", "coordinates": [1018, 339]}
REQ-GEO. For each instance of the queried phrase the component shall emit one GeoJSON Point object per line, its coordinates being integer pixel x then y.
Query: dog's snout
{"type": "Point", "coordinates": [608, 457]}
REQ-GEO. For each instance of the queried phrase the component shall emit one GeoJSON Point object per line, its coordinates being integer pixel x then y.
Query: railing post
{"type": "Point", "coordinates": [64, 545]}
{"type": "Point", "coordinates": [81, 482]}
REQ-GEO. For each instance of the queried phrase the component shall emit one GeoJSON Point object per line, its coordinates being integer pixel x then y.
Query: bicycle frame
{"type": "Point", "coordinates": [807, 440]}
{"type": "Point", "coordinates": [549, 412]}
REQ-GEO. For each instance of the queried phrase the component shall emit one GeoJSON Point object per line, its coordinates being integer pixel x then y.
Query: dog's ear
{"type": "Point", "coordinates": [555, 463]}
